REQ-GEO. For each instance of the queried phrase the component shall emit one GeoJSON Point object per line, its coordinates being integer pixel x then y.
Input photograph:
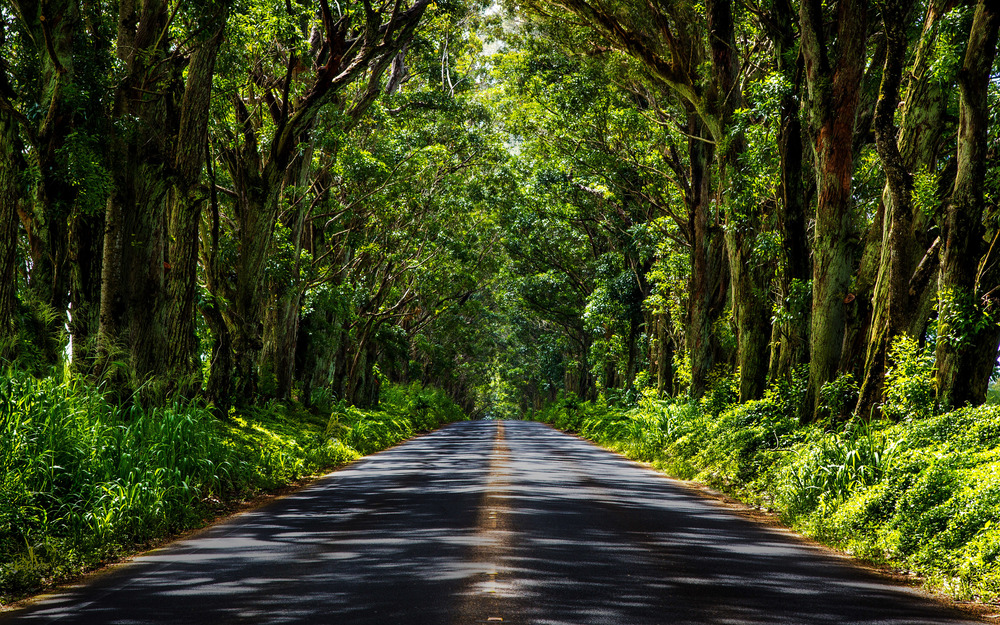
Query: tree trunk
{"type": "Point", "coordinates": [8, 231]}
{"type": "Point", "coordinates": [664, 356]}
{"type": "Point", "coordinates": [133, 314]}
{"type": "Point", "coordinates": [281, 326]}
{"type": "Point", "coordinates": [791, 332]}
{"type": "Point", "coordinates": [53, 27]}
{"type": "Point", "coordinates": [833, 93]}
{"type": "Point", "coordinates": [707, 285]}
{"type": "Point", "coordinates": [184, 209]}
{"type": "Point", "coordinates": [751, 311]}
{"type": "Point", "coordinates": [84, 255]}
{"type": "Point", "coordinates": [967, 338]}
{"type": "Point", "coordinates": [902, 290]}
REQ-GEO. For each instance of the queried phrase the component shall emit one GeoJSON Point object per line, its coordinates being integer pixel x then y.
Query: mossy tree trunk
{"type": "Point", "coordinates": [790, 338]}
{"type": "Point", "coordinates": [749, 277]}
{"type": "Point", "coordinates": [903, 289]}
{"type": "Point", "coordinates": [709, 278]}
{"type": "Point", "coordinates": [185, 203]}
{"type": "Point", "coordinates": [132, 317]}
{"type": "Point", "coordinates": [834, 66]}
{"type": "Point", "coordinates": [967, 334]}
{"type": "Point", "coordinates": [8, 229]}
{"type": "Point", "coordinates": [53, 28]}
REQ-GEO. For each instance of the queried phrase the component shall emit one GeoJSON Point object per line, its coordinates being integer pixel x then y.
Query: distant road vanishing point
{"type": "Point", "coordinates": [486, 522]}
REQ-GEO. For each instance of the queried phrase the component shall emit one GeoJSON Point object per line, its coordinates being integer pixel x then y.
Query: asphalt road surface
{"type": "Point", "coordinates": [486, 522]}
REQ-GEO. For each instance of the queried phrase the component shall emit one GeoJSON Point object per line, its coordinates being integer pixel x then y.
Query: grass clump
{"type": "Point", "coordinates": [921, 494]}
{"type": "Point", "coordinates": [403, 411]}
{"type": "Point", "coordinates": [84, 481]}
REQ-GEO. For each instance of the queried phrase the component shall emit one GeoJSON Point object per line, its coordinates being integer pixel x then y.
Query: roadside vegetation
{"type": "Point", "coordinates": [920, 494]}
{"type": "Point", "coordinates": [758, 241]}
{"type": "Point", "coordinates": [86, 481]}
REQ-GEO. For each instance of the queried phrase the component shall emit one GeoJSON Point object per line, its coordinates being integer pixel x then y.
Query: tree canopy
{"type": "Point", "coordinates": [242, 201]}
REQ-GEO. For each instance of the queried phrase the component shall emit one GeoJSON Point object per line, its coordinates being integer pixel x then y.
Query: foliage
{"type": "Point", "coordinates": [921, 494]}
{"type": "Point", "coordinates": [909, 381]}
{"type": "Point", "coordinates": [85, 481]}
{"type": "Point", "coordinates": [403, 412]}
{"type": "Point", "coordinates": [838, 397]}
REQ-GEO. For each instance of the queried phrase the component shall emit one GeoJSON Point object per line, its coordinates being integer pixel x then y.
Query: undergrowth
{"type": "Point", "coordinates": [84, 481]}
{"type": "Point", "coordinates": [921, 493]}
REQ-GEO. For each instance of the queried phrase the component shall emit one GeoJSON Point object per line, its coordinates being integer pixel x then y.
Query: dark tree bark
{"type": "Point", "coordinates": [749, 279]}
{"type": "Point", "coordinates": [903, 290]}
{"type": "Point", "coordinates": [791, 334]}
{"type": "Point", "coordinates": [132, 317]}
{"type": "Point", "coordinates": [967, 338]}
{"type": "Point", "coordinates": [708, 283]}
{"type": "Point", "coordinates": [8, 230]}
{"type": "Point", "coordinates": [185, 205]}
{"type": "Point", "coordinates": [151, 221]}
{"type": "Point", "coordinates": [52, 27]}
{"type": "Point", "coordinates": [834, 66]}
{"type": "Point", "coordinates": [664, 356]}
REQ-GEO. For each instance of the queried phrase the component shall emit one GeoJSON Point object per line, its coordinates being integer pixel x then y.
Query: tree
{"type": "Point", "coordinates": [834, 59]}
{"type": "Point", "coordinates": [967, 334]}
{"type": "Point", "coordinates": [909, 251]}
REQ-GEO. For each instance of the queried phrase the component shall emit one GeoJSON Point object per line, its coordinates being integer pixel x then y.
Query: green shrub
{"type": "Point", "coordinates": [909, 381]}
{"type": "Point", "coordinates": [829, 467]}
{"type": "Point", "coordinates": [722, 393]}
{"type": "Point", "coordinates": [838, 397]}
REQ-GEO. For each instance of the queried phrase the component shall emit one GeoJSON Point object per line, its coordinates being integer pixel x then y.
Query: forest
{"type": "Point", "coordinates": [308, 206]}
{"type": "Point", "coordinates": [271, 200]}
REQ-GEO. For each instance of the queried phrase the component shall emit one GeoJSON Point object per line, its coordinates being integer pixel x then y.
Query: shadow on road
{"type": "Point", "coordinates": [445, 530]}
{"type": "Point", "coordinates": [603, 540]}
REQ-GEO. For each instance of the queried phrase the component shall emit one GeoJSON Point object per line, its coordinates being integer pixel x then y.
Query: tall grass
{"type": "Point", "coordinates": [83, 480]}
{"type": "Point", "coordinates": [922, 493]}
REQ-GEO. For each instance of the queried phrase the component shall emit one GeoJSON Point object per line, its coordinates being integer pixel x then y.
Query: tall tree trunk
{"type": "Point", "coordinates": [281, 332]}
{"type": "Point", "coordinates": [53, 26]}
{"type": "Point", "coordinates": [967, 339]}
{"type": "Point", "coordinates": [901, 297]}
{"type": "Point", "coordinates": [664, 356]}
{"type": "Point", "coordinates": [833, 94]}
{"type": "Point", "coordinates": [707, 285]}
{"type": "Point", "coordinates": [8, 230]}
{"type": "Point", "coordinates": [791, 331]}
{"type": "Point", "coordinates": [84, 256]}
{"type": "Point", "coordinates": [751, 311]}
{"type": "Point", "coordinates": [133, 314]}
{"type": "Point", "coordinates": [281, 324]}
{"type": "Point", "coordinates": [185, 206]}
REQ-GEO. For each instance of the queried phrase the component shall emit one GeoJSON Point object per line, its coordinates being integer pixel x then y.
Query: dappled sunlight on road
{"type": "Point", "coordinates": [601, 539]}
{"type": "Point", "coordinates": [485, 521]}
{"type": "Point", "coordinates": [385, 536]}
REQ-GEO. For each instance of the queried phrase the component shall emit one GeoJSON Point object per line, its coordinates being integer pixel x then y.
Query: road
{"type": "Point", "coordinates": [483, 521]}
